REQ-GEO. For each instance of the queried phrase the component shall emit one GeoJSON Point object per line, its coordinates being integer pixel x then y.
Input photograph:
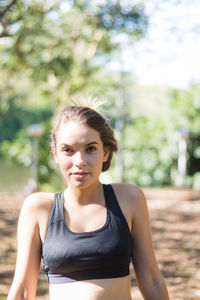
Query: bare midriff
{"type": "Point", "coordinates": [96, 289]}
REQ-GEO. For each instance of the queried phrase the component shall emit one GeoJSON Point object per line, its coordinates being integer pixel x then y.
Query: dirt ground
{"type": "Point", "coordinates": [175, 220]}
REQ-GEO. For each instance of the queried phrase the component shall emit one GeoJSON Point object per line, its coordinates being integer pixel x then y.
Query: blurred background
{"type": "Point", "coordinates": [142, 58]}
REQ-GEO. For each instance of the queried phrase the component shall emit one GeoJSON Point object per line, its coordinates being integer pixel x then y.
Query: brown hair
{"type": "Point", "coordinates": [92, 118]}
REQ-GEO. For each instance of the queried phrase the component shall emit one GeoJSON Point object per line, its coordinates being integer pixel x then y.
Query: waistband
{"type": "Point", "coordinates": [88, 275]}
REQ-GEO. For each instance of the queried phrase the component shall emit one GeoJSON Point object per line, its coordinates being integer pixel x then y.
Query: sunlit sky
{"type": "Point", "coordinates": [169, 54]}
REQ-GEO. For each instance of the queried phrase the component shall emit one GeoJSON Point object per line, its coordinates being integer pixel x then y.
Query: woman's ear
{"type": "Point", "coordinates": [54, 154]}
{"type": "Point", "coordinates": [106, 154]}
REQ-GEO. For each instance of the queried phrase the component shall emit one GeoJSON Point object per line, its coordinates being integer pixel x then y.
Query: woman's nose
{"type": "Point", "coordinates": [79, 159]}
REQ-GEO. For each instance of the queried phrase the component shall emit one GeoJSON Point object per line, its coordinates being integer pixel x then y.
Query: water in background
{"type": "Point", "coordinates": [13, 178]}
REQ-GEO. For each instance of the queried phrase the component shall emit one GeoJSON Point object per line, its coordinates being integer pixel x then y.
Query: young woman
{"type": "Point", "coordinates": [88, 234]}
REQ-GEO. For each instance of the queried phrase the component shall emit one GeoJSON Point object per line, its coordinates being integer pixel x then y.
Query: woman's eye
{"type": "Point", "coordinates": [91, 149]}
{"type": "Point", "coordinates": [68, 150]}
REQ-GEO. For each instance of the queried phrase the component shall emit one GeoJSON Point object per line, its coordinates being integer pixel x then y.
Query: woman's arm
{"type": "Point", "coordinates": [28, 253]}
{"type": "Point", "coordinates": [149, 278]}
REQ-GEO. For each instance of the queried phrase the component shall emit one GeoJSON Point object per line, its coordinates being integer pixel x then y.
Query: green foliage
{"type": "Point", "coordinates": [151, 142]}
{"type": "Point", "coordinates": [186, 111]}
{"type": "Point", "coordinates": [53, 51]}
{"type": "Point", "coordinates": [58, 47]}
{"type": "Point", "coordinates": [14, 118]}
{"type": "Point", "coordinates": [149, 151]}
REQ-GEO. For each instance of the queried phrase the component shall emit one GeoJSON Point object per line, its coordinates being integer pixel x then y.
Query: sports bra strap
{"type": "Point", "coordinates": [112, 202]}
{"type": "Point", "coordinates": [57, 209]}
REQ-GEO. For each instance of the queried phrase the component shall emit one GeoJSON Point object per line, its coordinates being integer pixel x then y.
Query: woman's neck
{"type": "Point", "coordinates": [84, 196]}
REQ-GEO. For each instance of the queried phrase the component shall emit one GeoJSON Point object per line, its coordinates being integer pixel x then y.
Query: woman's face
{"type": "Point", "coordinates": [79, 153]}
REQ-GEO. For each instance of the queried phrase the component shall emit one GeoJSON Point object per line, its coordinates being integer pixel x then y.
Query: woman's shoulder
{"type": "Point", "coordinates": [127, 190]}
{"type": "Point", "coordinates": [39, 199]}
{"type": "Point", "coordinates": [131, 194]}
{"type": "Point", "coordinates": [37, 204]}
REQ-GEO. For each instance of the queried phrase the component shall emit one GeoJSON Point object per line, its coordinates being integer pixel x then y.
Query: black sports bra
{"type": "Point", "coordinates": [97, 254]}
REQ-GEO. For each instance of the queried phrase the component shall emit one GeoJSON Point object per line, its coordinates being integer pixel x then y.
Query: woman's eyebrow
{"type": "Point", "coordinates": [66, 145]}
{"type": "Point", "coordinates": [91, 143]}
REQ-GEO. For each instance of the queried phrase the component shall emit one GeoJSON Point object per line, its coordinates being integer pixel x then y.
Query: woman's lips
{"type": "Point", "coordinates": [80, 174]}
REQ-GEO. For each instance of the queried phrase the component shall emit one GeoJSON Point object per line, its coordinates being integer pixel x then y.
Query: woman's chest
{"type": "Point", "coordinates": [67, 250]}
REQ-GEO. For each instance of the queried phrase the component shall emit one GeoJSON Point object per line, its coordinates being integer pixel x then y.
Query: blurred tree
{"type": "Point", "coordinates": [55, 44]}
{"type": "Point", "coordinates": [5, 20]}
{"type": "Point", "coordinates": [151, 145]}
{"type": "Point", "coordinates": [53, 50]}
{"type": "Point", "coordinates": [185, 114]}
